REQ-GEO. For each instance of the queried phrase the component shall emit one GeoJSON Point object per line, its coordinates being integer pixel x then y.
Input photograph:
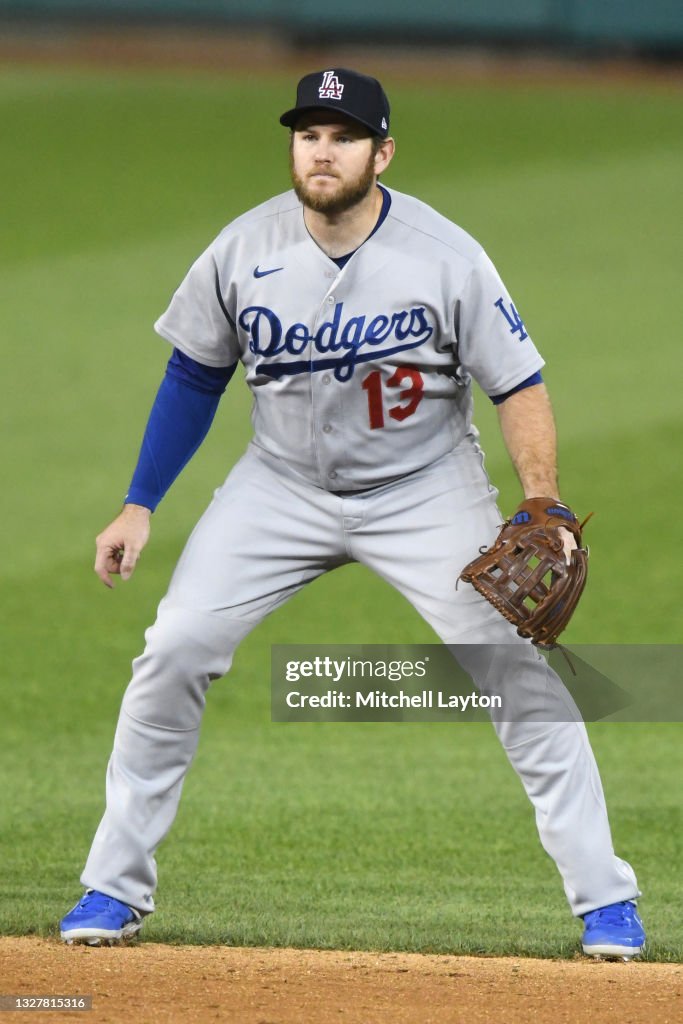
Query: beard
{"type": "Point", "coordinates": [348, 194]}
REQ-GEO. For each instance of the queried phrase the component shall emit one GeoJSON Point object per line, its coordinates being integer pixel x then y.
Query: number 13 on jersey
{"type": "Point", "coordinates": [409, 396]}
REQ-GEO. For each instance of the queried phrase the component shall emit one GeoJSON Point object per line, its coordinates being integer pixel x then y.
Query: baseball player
{"type": "Point", "coordinates": [360, 317]}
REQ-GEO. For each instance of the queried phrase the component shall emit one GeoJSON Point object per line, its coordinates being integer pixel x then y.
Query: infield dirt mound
{"type": "Point", "coordinates": [154, 983]}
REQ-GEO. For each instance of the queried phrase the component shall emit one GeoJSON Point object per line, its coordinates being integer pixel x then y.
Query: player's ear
{"type": "Point", "coordinates": [384, 154]}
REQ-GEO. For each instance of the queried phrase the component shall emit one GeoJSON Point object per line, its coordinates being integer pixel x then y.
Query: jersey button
{"type": "Point", "coordinates": [326, 378]}
{"type": "Point", "coordinates": [327, 429]}
{"type": "Point", "coordinates": [330, 300]}
{"type": "Point", "coordinates": [333, 474]}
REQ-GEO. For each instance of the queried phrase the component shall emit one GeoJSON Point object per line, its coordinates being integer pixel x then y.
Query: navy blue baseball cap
{"type": "Point", "coordinates": [347, 92]}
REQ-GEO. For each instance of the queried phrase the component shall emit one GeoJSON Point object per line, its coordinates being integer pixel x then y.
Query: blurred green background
{"type": "Point", "coordinates": [358, 836]}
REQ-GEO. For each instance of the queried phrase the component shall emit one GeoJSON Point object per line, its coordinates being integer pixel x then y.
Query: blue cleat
{"type": "Point", "coordinates": [613, 931]}
{"type": "Point", "coordinates": [98, 919]}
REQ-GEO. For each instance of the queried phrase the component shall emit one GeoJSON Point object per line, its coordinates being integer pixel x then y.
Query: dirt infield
{"type": "Point", "coordinates": [170, 984]}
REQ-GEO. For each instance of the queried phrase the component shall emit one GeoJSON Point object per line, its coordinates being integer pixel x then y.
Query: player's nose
{"type": "Point", "coordinates": [323, 151]}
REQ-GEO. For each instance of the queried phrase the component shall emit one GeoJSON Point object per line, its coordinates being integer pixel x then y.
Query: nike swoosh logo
{"type": "Point", "coordinates": [264, 273]}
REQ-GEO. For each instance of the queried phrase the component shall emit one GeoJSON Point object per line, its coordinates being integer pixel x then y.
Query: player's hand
{"type": "Point", "coordinates": [120, 544]}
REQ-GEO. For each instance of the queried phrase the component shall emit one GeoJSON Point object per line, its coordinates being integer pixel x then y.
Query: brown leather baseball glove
{"type": "Point", "coordinates": [525, 574]}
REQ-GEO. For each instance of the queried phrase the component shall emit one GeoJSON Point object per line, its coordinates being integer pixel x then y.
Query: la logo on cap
{"type": "Point", "coordinates": [331, 88]}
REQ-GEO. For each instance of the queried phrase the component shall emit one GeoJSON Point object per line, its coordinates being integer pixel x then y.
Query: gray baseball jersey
{"type": "Point", "coordinates": [359, 375]}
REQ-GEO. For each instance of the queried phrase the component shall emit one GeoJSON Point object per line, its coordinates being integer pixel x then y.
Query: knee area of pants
{"type": "Point", "coordinates": [171, 678]}
{"type": "Point", "coordinates": [166, 693]}
{"type": "Point", "coordinates": [195, 640]}
{"type": "Point", "coordinates": [182, 660]}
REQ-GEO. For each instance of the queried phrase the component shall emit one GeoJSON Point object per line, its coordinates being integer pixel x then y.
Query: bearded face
{"type": "Point", "coordinates": [332, 166]}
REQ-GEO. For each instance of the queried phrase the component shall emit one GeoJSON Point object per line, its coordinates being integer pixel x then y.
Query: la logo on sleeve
{"type": "Point", "coordinates": [513, 318]}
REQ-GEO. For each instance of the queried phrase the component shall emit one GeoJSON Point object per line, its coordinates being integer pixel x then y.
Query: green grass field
{"type": "Point", "coordinates": [414, 837]}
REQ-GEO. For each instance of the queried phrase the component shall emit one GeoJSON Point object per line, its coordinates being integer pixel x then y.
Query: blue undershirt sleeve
{"type": "Point", "coordinates": [179, 421]}
{"type": "Point", "coordinates": [535, 378]}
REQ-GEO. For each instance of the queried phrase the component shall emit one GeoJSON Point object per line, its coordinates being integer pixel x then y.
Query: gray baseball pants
{"type": "Point", "coordinates": [266, 534]}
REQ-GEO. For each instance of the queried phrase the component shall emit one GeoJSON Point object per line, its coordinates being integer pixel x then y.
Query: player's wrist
{"type": "Point", "coordinates": [547, 489]}
{"type": "Point", "coordinates": [132, 509]}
